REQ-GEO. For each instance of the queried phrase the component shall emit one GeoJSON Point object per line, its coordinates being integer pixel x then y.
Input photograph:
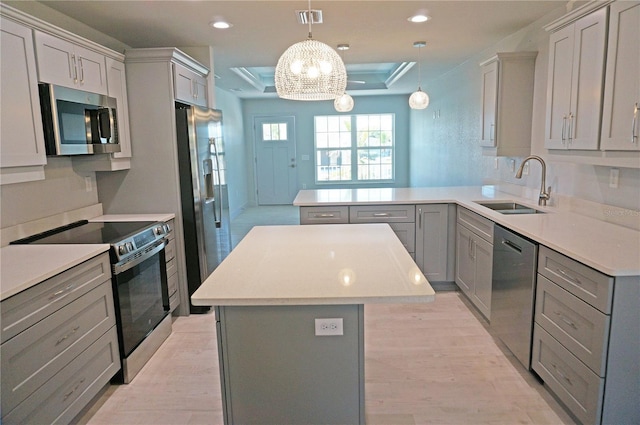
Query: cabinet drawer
{"type": "Point", "coordinates": [171, 267]}
{"type": "Point", "coordinates": [174, 301]}
{"type": "Point", "coordinates": [406, 232]}
{"type": "Point", "coordinates": [172, 283]}
{"type": "Point", "coordinates": [575, 384]}
{"type": "Point", "coordinates": [481, 226]}
{"type": "Point", "coordinates": [32, 305]}
{"type": "Point", "coordinates": [170, 251]}
{"type": "Point", "coordinates": [581, 328]}
{"type": "Point", "coordinates": [32, 357]}
{"type": "Point", "coordinates": [324, 215]}
{"type": "Point", "coordinates": [61, 398]}
{"type": "Point", "coordinates": [584, 282]}
{"type": "Point", "coordinates": [382, 214]}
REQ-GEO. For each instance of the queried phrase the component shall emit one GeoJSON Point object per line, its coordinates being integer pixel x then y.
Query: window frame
{"type": "Point", "coordinates": [354, 149]}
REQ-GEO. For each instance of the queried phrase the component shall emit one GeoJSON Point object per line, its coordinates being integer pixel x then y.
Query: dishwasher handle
{"type": "Point", "coordinates": [511, 245]}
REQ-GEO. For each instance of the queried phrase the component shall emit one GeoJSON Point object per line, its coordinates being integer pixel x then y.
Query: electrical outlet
{"type": "Point", "coordinates": [304, 185]}
{"type": "Point", "coordinates": [329, 327]}
{"type": "Point", "coordinates": [614, 177]}
{"type": "Point", "coordinates": [496, 163]}
{"type": "Point", "coordinates": [525, 169]}
{"type": "Point", "coordinates": [87, 184]}
{"type": "Point", "coordinates": [512, 165]}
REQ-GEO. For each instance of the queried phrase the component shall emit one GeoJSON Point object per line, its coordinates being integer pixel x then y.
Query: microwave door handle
{"type": "Point", "coordinates": [104, 124]}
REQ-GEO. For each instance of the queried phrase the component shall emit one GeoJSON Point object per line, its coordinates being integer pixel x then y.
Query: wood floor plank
{"type": "Point", "coordinates": [424, 364]}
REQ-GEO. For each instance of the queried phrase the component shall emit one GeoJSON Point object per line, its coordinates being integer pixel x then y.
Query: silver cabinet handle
{"type": "Point", "coordinates": [570, 127]}
{"type": "Point", "coordinates": [634, 136]}
{"type": "Point", "coordinates": [569, 277]}
{"type": "Point", "coordinates": [324, 215]}
{"type": "Point", "coordinates": [67, 395]}
{"type": "Point", "coordinates": [381, 215]}
{"type": "Point", "coordinates": [81, 70]}
{"type": "Point", "coordinates": [61, 340]}
{"type": "Point", "coordinates": [75, 69]}
{"type": "Point", "coordinates": [61, 291]}
{"type": "Point", "coordinates": [419, 218]}
{"type": "Point", "coordinates": [566, 320]}
{"type": "Point", "coordinates": [562, 375]}
{"type": "Point", "coordinates": [564, 126]}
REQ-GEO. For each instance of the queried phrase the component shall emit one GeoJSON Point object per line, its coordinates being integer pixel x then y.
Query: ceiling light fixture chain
{"type": "Point", "coordinates": [310, 70]}
{"type": "Point", "coordinates": [419, 99]}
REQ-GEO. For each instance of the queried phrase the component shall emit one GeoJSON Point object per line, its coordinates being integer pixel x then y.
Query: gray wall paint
{"type": "Point", "coordinates": [63, 189]}
{"type": "Point", "coordinates": [304, 113]}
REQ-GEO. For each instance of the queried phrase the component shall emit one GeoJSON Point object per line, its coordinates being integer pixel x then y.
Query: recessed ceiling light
{"type": "Point", "coordinates": [221, 25]}
{"type": "Point", "coordinates": [419, 18]}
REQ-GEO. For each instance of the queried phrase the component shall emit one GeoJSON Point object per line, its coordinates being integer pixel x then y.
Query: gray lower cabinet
{"type": "Point", "coordinates": [586, 339]}
{"type": "Point", "coordinates": [435, 241]}
{"type": "Point", "coordinates": [424, 230]}
{"type": "Point", "coordinates": [172, 268]}
{"type": "Point", "coordinates": [474, 259]}
{"type": "Point", "coordinates": [59, 345]}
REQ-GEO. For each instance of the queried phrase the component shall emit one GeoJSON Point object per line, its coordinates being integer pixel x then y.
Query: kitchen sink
{"type": "Point", "coordinates": [510, 208]}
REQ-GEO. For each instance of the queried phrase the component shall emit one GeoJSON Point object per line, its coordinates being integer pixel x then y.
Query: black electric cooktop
{"type": "Point", "coordinates": [84, 232]}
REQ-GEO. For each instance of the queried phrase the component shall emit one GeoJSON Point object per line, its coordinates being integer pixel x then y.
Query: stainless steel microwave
{"type": "Point", "coordinates": [77, 122]}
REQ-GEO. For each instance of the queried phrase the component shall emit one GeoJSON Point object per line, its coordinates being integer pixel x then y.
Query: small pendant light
{"type": "Point", "coordinates": [344, 102]}
{"type": "Point", "coordinates": [419, 99]}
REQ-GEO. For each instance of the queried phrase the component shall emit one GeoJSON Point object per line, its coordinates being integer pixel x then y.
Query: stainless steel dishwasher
{"type": "Point", "coordinates": [513, 291]}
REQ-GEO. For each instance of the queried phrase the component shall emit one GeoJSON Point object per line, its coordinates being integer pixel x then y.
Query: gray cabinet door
{"type": "Point", "coordinates": [432, 241]}
{"type": "Point", "coordinates": [465, 265]}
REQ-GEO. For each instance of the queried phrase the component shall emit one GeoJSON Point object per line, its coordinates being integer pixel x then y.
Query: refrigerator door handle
{"type": "Point", "coordinates": [217, 217]}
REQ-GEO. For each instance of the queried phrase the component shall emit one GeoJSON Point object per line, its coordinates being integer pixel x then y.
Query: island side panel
{"type": "Point", "coordinates": [276, 370]}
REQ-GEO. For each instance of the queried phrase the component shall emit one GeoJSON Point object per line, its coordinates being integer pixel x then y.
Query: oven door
{"type": "Point", "coordinates": [141, 296]}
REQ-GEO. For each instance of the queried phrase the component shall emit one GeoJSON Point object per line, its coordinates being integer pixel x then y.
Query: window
{"type": "Point", "coordinates": [354, 148]}
{"type": "Point", "coordinates": [274, 131]}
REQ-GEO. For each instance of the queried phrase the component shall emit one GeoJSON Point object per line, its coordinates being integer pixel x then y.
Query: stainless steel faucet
{"type": "Point", "coordinates": [544, 194]}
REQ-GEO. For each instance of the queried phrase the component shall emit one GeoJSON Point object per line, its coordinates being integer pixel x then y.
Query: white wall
{"type": "Point", "coordinates": [237, 150]}
{"type": "Point", "coordinates": [445, 151]}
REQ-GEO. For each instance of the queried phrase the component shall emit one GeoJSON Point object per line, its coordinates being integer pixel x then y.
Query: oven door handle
{"type": "Point", "coordinates": [125, 265]}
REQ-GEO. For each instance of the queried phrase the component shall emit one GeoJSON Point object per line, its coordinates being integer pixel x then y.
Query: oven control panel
{"type": "Point", "coordinates": [138, 242]}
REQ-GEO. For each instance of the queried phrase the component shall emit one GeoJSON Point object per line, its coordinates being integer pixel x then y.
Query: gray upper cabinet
{"type": "Point", "coordinates": [21, 136]}
{"type": "Point", "coordinates": [574, 83]}
{"type": "Point", "coordinates": [507, 103]}
{"type": "Point", "coordinates": [67, 64]}
{"type": "Point", "coordinates": [620, 113]}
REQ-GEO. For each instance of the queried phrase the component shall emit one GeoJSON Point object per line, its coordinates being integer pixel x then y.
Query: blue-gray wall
{"type": "Point", "coordinates": [304, 113]}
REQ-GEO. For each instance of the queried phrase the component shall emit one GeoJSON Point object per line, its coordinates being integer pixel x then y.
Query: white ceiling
{"type": "Point", "coordinates": [378, 32]}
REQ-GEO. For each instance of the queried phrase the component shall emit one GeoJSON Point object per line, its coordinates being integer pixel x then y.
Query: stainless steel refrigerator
{"type": "Point", "coordinates": [204, 193]}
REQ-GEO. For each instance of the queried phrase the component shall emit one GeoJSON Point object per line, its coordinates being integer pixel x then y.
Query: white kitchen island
{"type": "Point", "coordinates": [276, 366]}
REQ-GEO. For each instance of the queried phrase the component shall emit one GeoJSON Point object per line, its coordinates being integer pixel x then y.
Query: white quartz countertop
{"type": "Point", "coordinates": [22, 266]}
{"type": "Point", "coordinates": [606, 247]}
{"type": "Point", "coordinates": [307, 265]}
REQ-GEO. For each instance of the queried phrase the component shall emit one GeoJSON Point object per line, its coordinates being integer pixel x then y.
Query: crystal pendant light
{"type": "Point", "coordinates": [344, 102]}
{"type": "Point", "coordinates": [310, 70]}
{"type": "Point", "coordinates": [419, 99]}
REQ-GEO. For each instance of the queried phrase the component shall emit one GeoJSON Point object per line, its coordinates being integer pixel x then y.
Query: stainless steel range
{"type": "Point", "coordinates": [139, 282]}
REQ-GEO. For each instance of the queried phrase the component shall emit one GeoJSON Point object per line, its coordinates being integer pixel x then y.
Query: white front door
{"type": "Point", "coordinates": [275, 147]}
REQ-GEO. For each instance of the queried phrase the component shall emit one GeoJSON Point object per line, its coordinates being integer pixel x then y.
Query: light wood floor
{"type": "Point", "coordinates": [433, 363]}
